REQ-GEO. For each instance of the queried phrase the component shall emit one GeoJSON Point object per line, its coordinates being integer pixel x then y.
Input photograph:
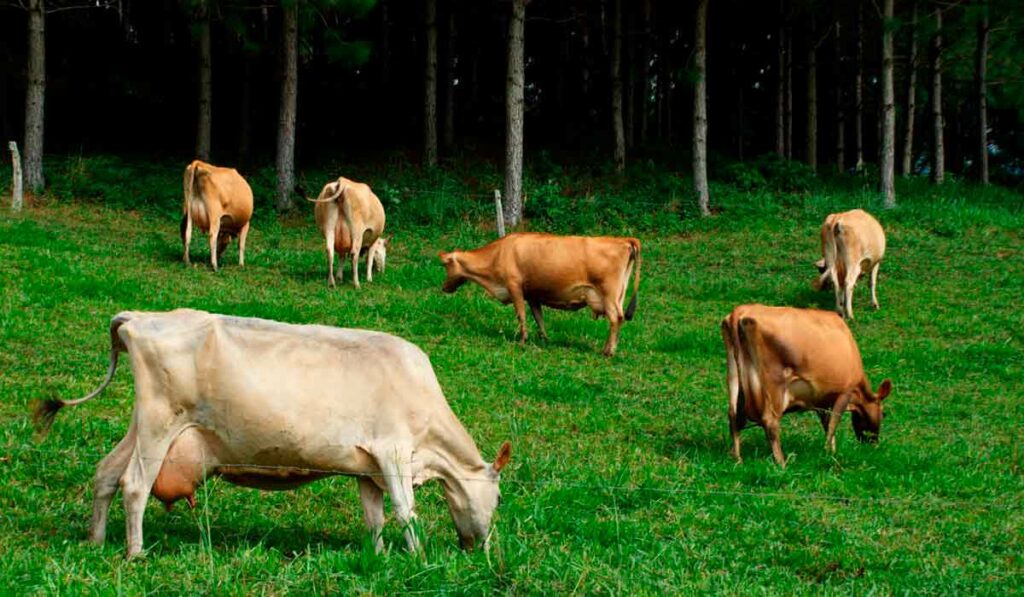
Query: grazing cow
{"type": "Point", "coordinates": [562, 272]}
{"type": "Point", "coordinates": [359, 228]}
{"type": "Point", "coordinates": [852, 243]}
{"type": "Point", "coordinates": [275, 406]}
{"type": "Point", "coordinates": [218, 201]}
{"type": "Point", "coordinates": [786, 360]}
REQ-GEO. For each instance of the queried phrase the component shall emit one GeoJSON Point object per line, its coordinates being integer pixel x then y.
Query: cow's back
{"type": "Point", "coordinates": [547, 260]}
{"type": "Point", "coordinates": [861, 234]}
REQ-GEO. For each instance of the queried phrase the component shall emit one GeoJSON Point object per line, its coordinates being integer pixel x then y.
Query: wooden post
{"type": "Point", "coordinates": [499, 213]}
{"type": "Point", "coordinates": [16, 188]}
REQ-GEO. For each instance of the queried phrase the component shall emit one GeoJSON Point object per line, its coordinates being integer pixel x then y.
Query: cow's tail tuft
{"type": "Point", "coordinates": [634, 255]}
{"type": "Point", "coordinates": [45, 411]}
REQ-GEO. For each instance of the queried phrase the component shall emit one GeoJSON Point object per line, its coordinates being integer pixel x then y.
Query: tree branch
{"type": "Point", "coordinates": [99, 4]}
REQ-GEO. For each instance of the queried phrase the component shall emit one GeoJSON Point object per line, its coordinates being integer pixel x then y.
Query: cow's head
{"type": "Point", "coordinates": [454, 274]}
{"type": "Point", "coordinates": [866, 412]}
{"type": "Point", "coordinates": [473, 508]}
{"type": "Point", "coordinates": [380, 253]}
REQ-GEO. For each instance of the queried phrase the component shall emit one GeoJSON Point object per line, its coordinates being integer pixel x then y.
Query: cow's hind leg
{"type": "Point", "coordinates": [108, 473]}
{"type": "Point", "coordinates": [137, 481]}
{"type": "Point", "coordinates": [736, 418]}
{"type": "Point", "coordinates": [373, 510]}
{"type": "Point", "coordinates": [186, 235]}
{"type": "Point", "coordinates": [613, 311]}
{"type": "Point", "coordinates": [394, 465]}
{"type": "Point", "coordinates": [214, 241]}
{"type": "Point", "coordinates": [538, 317]}
{"type": "Point", "coordinates": [772, 432]}
{"type": "Point", "coordinates": [242, 235]}
{"type": "Point", "coordinates": [329, 235]}
{"type": "Point", "coordinates": [357, 245]}
{"type": "Point", "coordinates": [874, 284]}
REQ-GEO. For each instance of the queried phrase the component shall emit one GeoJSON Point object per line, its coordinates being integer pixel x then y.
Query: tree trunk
{"type": "Point", "coordinates": [205, 84]}
{"type": "Point", "coordinates": [939, 153]}
{"type": "Point", "coordinates": [700, 109]}
{"type": "Point", "coordinates": [908, 135]}
{"type": "Point", "coordinates": [35, 94]}
{"type": "Point", "coordinates": [979, 77]}
{"type": "Point", "coordinates": [617, 127]}
{"type": "Point", "coordinates": [513, 196]}
{"type": "Point", "coordinates": [780, 86]}
{"type": "Point", "coordinates": [858, 89]}
{"type": "Point", "coordinates": [451, 61]}
{"type": "Point", "coordinates": [789, 92]}
{"type": "Point", "coordinates": [837, 80]}
{"type": "Point", "coordinates": [888, 156]}
{"type": "Point", "coordinates": [645, 73]}
{"type": "Point", "coordinates": [430, 87]}
{"type": "Point", "coordinates": [812, 97]}
{"type": "Point", "coordinates": [289, 94]}
{"type": "Point", "coordinates": [629, 93]}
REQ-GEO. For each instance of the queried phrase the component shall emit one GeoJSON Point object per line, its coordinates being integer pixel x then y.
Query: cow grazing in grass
{"type": "Point", "coordinates": [784, 360]}
{"type": "Point", "coordinates": [219, 202]}
{"type": "Point", "coordinates": [275, 406]}
{"type": "Point", "coordinates": [852, 243]}
{"type": "Point", "coordinates": [351, 219]}
{"type": "Point", "coordinates": [562, 272]}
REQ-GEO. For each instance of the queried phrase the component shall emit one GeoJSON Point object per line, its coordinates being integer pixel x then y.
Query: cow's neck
{"type": "Point", "coordinates": [453, 457]}
{"type": "Point", "coordinates": [479, 265]}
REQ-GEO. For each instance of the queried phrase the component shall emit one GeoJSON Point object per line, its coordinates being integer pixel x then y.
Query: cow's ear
{"type": "Point", "coordinates": [503, 456]}
{"type": "Point", "coordinates": [884, 389]}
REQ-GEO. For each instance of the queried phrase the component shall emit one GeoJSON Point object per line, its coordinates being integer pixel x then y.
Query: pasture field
{"type": "Point", "coordinates": [620, 479]}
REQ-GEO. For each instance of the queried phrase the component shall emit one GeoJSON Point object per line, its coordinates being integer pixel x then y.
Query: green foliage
{"type": "Point", "coordinates": [620, 478]}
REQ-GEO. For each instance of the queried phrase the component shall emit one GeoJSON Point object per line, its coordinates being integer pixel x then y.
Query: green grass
{"type": "Point", "coordinates": [620, 478]}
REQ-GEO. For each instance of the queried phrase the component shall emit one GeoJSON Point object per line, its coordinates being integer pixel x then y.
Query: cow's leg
{"type": "Point", "coordinates": [137, 481]}
{"type": "Point", "coordinates": [354, 251]}
{"type": "Point", "coordinates": [851, 280]}
{"type": "Point", "coordinates": [613, 312]}
{"type": "Point", "coordinates": [515, 292]}
{"type": "Point", "coordinates": [874, 284]}
{"type": "Point", "coordinates": [108, 473]}
{"type": "Point", "coordinates": [771, 431]}
{"type": "Point", "coordinates": [373, 510]}
{"type": "Point", "coordinates": [242, 235]}
{"type": "Point", "coordinates": [214, 240]}
{"type": "Point", "coordinates": [186, 235]}
{"type": "Point", "coordinates": [394, 466]}
{"type": "Point", "coordinates": [222, 244]}
{"type": "Point", "coordinates": [330, 257]}
{"type": "Point", "coordinates": [538, 317]}
{"type": "Point", "coordinates": [834, 277]}
{"type": "Point", "coordinates": [733, 381]}
{"type": "Point", "coordinates": [833, 420]}
{"type": "Point", "coordinates": [369, 261]}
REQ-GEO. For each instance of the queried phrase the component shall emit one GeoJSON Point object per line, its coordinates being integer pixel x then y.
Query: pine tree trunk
{"type": "Point", "coordinates": [617, 127]}
{"type": "Point", "coordinates": [980, 82]}
{"type": "Point", "coordinates": [430, 87]}
{"type": "Point", "coordinates": [888, 155]}
{"type": "Point", "coordinates": [205, 84]}
{"type": "Point", "coordinates": [451, 61]}
{"type": "Point", "coordinates": [780, 86]}
{"type": "Point", "coordinates": [35, 94]}
{"type": "Point", "coordinates": [700, 109]}
{"type": "Point", "coordinates": [908, 135]}
{"type": "Point", "coordinates": [645, 73]}
{"type": "Point", "coordinates": [858, 89]}
{"type": "Point", "coordinates": [789, 93]}
{"type": "Point", "coordinates": [812, 98]}
{"type": "Point", "coordinates": [837, 80]}
{"type": "Point", "coordinates": [939, 152]}
{"type": "Point", "coordinates": [513, 196]}
{"type": "Point", "coordinates": [289, 94]}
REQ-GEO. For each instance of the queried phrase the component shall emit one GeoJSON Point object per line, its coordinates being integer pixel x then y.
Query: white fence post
{"type": "Point", "coordinates": [498, 211]}
{"type": "Point", "coordinates": [16, 188]}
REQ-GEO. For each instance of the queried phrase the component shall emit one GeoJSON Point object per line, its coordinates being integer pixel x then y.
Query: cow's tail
{"type": "Point", "coordinates": [45, 411]}
{"type": "Point", "coordinates": [634, 255]}
{"type": "Point", "coordinates": [322, 199]}
{"type": "Point", "coordinates": [189, 195]}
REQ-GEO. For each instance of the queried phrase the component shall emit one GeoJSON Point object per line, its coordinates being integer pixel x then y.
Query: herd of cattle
{"type": "Point", "coordinates": [275, 406]}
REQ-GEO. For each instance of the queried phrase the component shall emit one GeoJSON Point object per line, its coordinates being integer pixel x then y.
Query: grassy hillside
{"type": "Point", "coordinates": [620, 478]}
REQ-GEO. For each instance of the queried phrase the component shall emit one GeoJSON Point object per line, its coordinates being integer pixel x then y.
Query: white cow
{"type": "Point", "coordinates": [274, 406]}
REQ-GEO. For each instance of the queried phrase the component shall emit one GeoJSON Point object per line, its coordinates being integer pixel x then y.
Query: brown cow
{"type": "Point", "coordinates": [218, 201]}
{"type": "Point", "coordinates": [785, 360]}
{"type": "Point", "coordinates": [562, 272]}
{"type": "Point", "coordinates": [852, 243]}
{"type": "Point", "coordinates": [359, 228]}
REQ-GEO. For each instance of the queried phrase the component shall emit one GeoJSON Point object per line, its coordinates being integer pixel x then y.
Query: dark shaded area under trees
{"type": "Point", "coordinates": [124, 76]}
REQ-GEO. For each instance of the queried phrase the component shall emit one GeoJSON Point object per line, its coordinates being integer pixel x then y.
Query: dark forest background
{"type": "Point", "coordinates": [122, 78]}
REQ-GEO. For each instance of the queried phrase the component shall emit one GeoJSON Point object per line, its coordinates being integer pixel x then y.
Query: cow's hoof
{"type": "Point", "coordinates": [135, 554]}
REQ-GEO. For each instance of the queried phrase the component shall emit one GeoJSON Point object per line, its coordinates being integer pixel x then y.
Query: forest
{"type": "Point", "coordinates": [718, 139]}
